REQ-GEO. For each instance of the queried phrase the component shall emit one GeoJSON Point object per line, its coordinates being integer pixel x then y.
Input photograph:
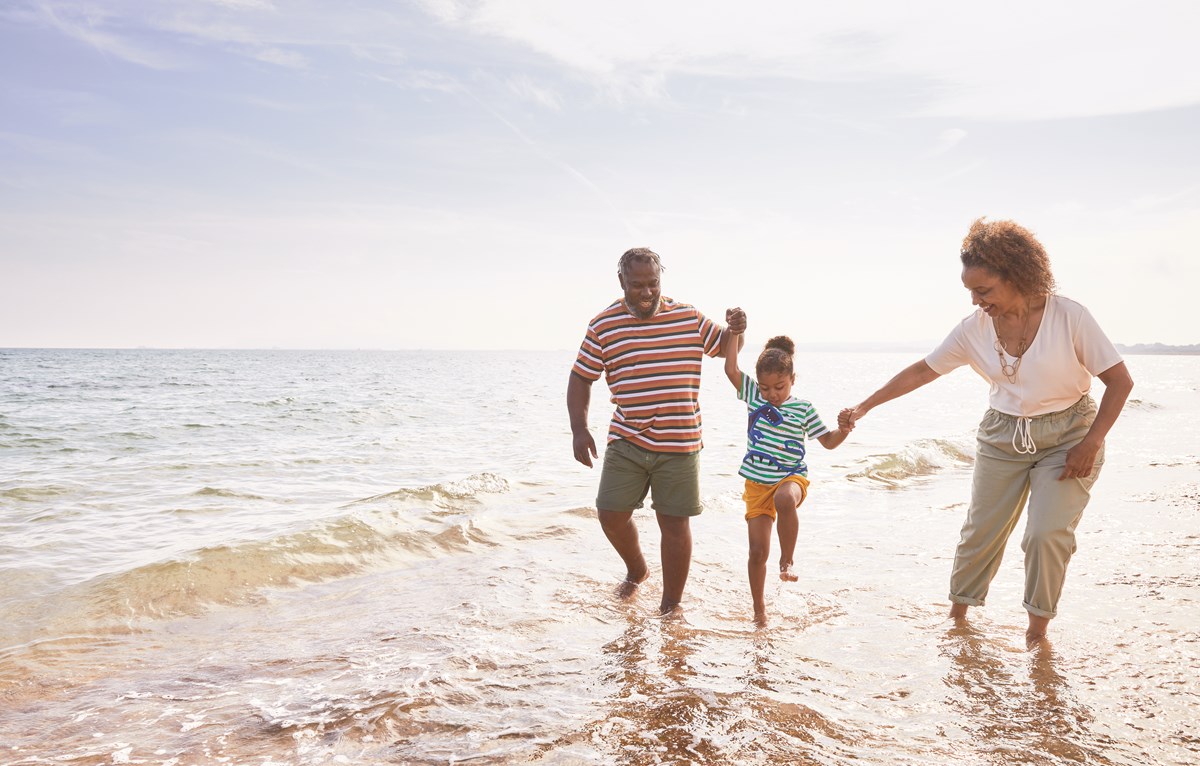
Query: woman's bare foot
{"type": "Point", "coordinates": [958, 613]}
{"type": "Point", "coordinates": [786, 574]}
{"type": "Point", "coordinates": [1035, 634]}
{"type": "Point", "coordinates": [760, 618]}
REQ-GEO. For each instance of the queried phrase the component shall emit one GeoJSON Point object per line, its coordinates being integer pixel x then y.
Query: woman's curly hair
{"type": "Point", "coordinates": [777, 356]}
{"type": "Point", "coordinates": [1011, 251]}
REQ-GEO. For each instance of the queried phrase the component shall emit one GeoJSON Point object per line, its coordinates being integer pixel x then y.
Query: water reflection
{"type": "Point", "coordinates": [673, 699]}
{"type": "Point", "coordinates": [657, 711]}
{"type": "Point", "coordinates": [1017, 706]}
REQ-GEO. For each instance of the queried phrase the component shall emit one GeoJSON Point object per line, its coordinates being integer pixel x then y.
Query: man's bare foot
{"type": "Point", "coordinates": [629, 585]}
{"type": "Point", "coordinates": [786, 574]}
{"type": "Point", "coordinates": [760, 618]}
{"type": "Point", "coordinates": [671, 610]}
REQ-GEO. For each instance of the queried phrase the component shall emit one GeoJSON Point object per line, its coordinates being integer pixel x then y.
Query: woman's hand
{"type": "Point", "coordinates": [1081, 460]}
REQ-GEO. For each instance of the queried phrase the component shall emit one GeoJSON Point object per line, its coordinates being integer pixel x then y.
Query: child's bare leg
{"type": "Point", "coordinates": [759, 532]}
{"type": "Point", "coordinates": [787, 499]}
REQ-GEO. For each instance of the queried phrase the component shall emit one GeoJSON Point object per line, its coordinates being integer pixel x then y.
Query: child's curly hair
{"type": "Point", "coordinates": [777, 356]}
{"type": "Point", "coordinates": [1011, 251]}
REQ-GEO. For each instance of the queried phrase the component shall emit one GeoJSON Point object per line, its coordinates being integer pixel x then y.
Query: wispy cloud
{"type": "Point", "coordinates": [524, 88]}
{"type": "Point", "coordinates": [257, 5]}
{"type": "Point", "coordinates": [566, 167]}
{"type": "Point", "coordinates": [947, 140]}
{"type": "Point", "coordinates": [423, 79]}
{"type": "Point", "coordinates": [282, 57]}
{"type": "Point", "coordinates": [88, 24]}
{"type": "Point", "coordinates": [63, 152]}
{"type": "Point", "coordinates": [970, 61]}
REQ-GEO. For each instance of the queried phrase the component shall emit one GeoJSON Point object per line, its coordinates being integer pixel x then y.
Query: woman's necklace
{"type": "Point", "coordinates": [1010, 370]}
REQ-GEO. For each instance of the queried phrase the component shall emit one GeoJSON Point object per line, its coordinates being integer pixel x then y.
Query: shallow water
{"type": "Point", "coordinates": [310, 558]}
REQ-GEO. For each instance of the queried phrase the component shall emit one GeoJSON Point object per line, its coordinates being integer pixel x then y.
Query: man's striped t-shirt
{"type": "Point", "coordinates": [652, 367]}
{"type": "Point", "coordinates": [775, 436]}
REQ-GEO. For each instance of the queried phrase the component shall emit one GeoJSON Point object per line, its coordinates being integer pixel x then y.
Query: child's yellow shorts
{"type": "Point", "coordinates": [760, 498]}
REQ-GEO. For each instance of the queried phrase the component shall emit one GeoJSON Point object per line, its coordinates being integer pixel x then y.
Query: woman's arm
{"type": "Point", "coordinates": [1081, 458]}
{"type": "Point", "coordinates": [906, 381]}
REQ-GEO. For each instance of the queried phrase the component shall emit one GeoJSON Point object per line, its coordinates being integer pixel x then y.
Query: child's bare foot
{"type": "Point", "coordinates": [786, 574]}
{"type": "Point", "coordinates": [632, 580]}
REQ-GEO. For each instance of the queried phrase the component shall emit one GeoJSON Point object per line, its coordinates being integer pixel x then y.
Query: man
{"type": "Point", "coordinates": [650, 350]}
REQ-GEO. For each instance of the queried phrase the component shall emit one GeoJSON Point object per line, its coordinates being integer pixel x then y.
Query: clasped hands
{"type": "Point", "coordinates": [848, 418]}
{"type": "Point", "coordinates": [735, 320]}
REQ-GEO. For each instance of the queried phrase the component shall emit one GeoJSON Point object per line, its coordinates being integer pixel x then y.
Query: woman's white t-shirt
{"type": "Point", "coordinates": [1068, 350]}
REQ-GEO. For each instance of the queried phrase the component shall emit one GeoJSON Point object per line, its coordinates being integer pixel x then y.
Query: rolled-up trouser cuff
{"type": "Point", "coordinates": [1039, 612]}
{"type": "Point", "coordinates": [965, 600]}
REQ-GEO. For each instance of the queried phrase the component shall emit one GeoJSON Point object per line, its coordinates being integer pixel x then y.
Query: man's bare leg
{"type": "Point", "coordinates": [676, 558]}
{"type": "Point", "coordinates": [622, 533]}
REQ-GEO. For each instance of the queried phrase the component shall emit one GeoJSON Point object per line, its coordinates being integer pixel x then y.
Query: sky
{"type": "Point", "coordinates": [465, 175]}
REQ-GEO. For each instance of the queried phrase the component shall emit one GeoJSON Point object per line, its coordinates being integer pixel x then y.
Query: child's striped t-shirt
{"type": "Point", "coordinates": [775, 436]}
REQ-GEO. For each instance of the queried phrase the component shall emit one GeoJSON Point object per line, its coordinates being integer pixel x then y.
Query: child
{"type": "Point", "coordinates": [774, 470]}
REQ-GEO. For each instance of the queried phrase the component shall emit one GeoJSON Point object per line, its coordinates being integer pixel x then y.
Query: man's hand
{"type": "Point", "coordinates": [584, 444]}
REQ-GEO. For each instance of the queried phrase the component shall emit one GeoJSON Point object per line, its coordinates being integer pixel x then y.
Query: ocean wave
{"type": "Point", "coordinates": [36, 493]}
{"type": "Point", "coordinates": [369, 538]}
{"type": "Point", "coordinates": [282, 401]}
{"type": "Point", "coordinates": [922, 458]}
{"type": "Point", "coordinates": [228, 493]}
{"type": "Point", "coordinates": [445, 494]}
{"type": "Point", "coordinates": [27, 440]}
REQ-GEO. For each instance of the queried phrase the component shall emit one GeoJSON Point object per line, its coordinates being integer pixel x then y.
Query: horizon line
{"type": "Point", "coordinates": [856, 346]}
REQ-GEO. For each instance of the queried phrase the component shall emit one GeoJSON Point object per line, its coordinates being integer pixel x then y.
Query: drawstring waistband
{"type": "Point", "coordinates": [1022, 438]}
{"type": "Point", "coordinates": [1022, 441]}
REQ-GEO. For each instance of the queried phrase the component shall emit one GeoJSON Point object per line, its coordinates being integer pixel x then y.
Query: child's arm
{"type": "Point", "coordinates": [831, 439]}
{"type": "Point", "coordinates": [735, 321]}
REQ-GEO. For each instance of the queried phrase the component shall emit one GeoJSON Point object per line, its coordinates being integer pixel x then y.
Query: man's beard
{"type": "Point", "coordinates": [637, 310]}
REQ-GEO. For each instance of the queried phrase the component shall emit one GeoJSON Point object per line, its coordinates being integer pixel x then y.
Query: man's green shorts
{"type": "Point", "coordinates": [629, 472]}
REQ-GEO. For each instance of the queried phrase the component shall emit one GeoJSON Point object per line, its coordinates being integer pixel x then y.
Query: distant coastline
{"type": "Point", "coordinates": [909, 347]}
{"type": "Point", "coordinates": [1158, 348]}
{"type": "Point", "coordinates": [923, 348]}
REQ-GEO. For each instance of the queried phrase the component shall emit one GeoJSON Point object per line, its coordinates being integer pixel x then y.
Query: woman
{"type": "Point", "coordinates": [1043, 438]}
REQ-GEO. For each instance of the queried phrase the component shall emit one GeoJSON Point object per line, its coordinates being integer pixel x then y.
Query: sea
{"type": "Point", "coordinates": [390, 557]}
